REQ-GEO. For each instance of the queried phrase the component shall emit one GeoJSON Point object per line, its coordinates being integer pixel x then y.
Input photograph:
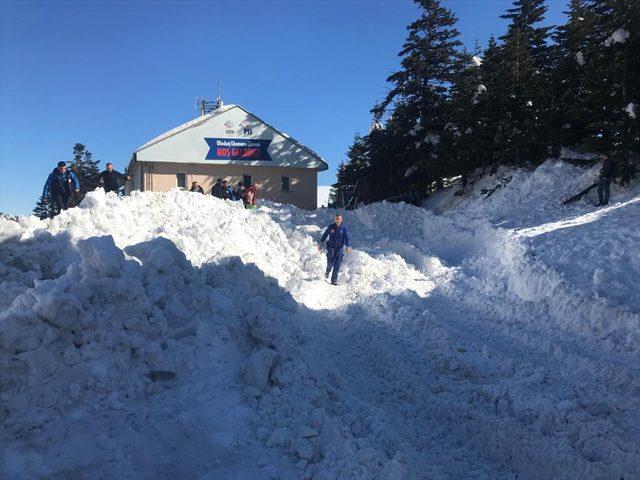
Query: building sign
{"type": "Point", "coordinates": [237, 149]}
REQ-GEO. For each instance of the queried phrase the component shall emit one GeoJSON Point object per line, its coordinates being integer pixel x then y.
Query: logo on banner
{"type": "Point", "coordinates": [238, 149]}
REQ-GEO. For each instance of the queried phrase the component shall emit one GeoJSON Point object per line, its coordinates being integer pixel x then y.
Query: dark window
{"type": "Point", "coordinates": [285, 184]}
{"type": "Point", "coordinates": [181, 178]}
{"type": "Point", "coordinates": [246, 179]}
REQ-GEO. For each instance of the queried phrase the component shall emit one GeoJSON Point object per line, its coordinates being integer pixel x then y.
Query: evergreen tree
{"type": "Point", "coordinates": [492, 105]}
{"type": "Point", "coordinates": [419, 93]}
{"type": "Point", "coordinates": [573, 55]}
{"type": "Point", "coordinates": [465, 116]}
{"type": "Point", "coordinates": [524, 68]}
{"type": "Point", "coordinates": [44, 208]}
{"type": "Point", "coordinates": [87, 171]}
{"type": "Point", "coordinates": [612, 80]}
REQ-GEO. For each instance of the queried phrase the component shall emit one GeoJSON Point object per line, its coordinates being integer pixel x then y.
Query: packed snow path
{"type": "Point", "coordinates": [453, 348]}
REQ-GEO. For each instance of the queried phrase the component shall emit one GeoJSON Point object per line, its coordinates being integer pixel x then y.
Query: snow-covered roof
{"type": "Point", "coordinates": [184, 126]}
{"type": "Point", "coordinates": [188, 143]}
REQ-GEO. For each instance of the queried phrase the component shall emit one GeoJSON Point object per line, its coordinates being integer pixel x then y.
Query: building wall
{"type": "Point", "coordinates": [162, 177]}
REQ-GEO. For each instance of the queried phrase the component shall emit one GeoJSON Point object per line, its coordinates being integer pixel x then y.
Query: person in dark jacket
{"type": "Point", "coordinates": [606, 175]}
{"type": "Point", "coordinates": [217, 190]}
{"type": "Point", "coordinates": [59, 186]}
{"type": "Point", "coordinates": [240, 191]}
{"type": "Point", "coordinates": [338, 238]}
{"type": "Point", "coordinates": [109, 179]}
{"type": "Point", "coordinates": [196, 188]}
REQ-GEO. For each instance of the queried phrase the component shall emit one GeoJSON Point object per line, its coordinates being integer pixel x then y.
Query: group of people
{"type": "Point", "coordinates": [222, 189]}
{"type": "Point", "coordinates": [62, 183]}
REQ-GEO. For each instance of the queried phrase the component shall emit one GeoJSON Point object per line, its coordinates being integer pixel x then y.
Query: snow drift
{"type": "Point", "coordinates": [180, 336]}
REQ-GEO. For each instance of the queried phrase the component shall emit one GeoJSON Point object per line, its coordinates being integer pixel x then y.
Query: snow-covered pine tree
{"type": "Point", "coordinates": [612, 77]}
{"type": "Point", "coordinates": [87, 171]}
{"type": "Point", "coordinates": [419, 95]}
{"type": "Point", "coordinates": [573, 55]}
{"type": "Point", "coordinates": [462, 144]}
{"type": "Point", "coordinates": [524, 70]}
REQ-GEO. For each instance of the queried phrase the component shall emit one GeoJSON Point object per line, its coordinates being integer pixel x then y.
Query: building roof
{"type": "Point", "coordinates": [215, 113]}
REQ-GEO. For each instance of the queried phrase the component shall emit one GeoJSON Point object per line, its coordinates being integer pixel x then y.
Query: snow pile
{"type": "Point", "coordinates": [631, 110]}
{"type": "Point", "coordinates": [476, 61]}
{"type": "Point", "coordinates": [619, 36]}
{"type": "Point", "coordinates": [580, 58]}
{"type": "Point", "coordinates": [181, 336]}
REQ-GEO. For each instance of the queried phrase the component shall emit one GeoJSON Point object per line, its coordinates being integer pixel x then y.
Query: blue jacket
{"type": "Point", "coordinates": [58, 183]}
{"type": "Point", "coordinates": [338, 236]}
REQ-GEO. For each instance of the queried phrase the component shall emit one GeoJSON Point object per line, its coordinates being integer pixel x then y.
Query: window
{"type": "Point", "coordinates": [246, 179]}
{"type": "Point", "coordinates": [181, 179]}
{"type": "Point", "coordinates": [285, 184]}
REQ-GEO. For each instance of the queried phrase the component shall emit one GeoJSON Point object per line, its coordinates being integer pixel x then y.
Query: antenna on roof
{"type": "Point", "coordinates": [219, 103]}
{"type": "Point", "coordinates": [205, 106]}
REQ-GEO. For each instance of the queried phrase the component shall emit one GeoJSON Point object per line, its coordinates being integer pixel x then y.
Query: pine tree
{"type": "Point", "coordinates": [465, 116]}
{"type": "Point", "coordinates": [44, 208]}
{"type": "Point", "coordinates": [612, 79]}
{"type": "Point", "coordinates": [87, 171]}
{"type": "Point", "coordinates": [524, 68]}
{"type": "Point", "coordinates": [419, 94]}
{"type": "Point", "coordinates": [573, 57]}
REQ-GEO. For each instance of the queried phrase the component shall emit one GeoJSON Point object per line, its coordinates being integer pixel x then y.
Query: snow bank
{"type": "Point", "coordinates": [177, 335]}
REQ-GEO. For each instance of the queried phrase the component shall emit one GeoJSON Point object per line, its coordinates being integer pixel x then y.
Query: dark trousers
{"type": "Point", "coordinates": [603, 191]}
{"type": "Point", "coordinates": [334, 259]}
{"type": "Point", "coordinates": [62, 202]}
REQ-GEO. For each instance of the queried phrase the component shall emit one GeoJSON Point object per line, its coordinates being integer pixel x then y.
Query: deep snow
{"type": "Point", "coordinates": [180, 336]}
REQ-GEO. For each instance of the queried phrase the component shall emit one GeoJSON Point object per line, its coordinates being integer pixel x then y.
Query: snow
{"type": "Point", "coordinates": [580, 58]}
{"type": "Point", "coordinates": [481, 89]}
{"type": "Point", "coordinates": [476, 61]}
{"type": "Point", "coordinates": [432, 139]}
{"type": "Point", "coordinates": [619, 36]}
{"type": "Point", "coordinates": [176, 335]}
{"type": "Point", "coordinates": [631, 109]}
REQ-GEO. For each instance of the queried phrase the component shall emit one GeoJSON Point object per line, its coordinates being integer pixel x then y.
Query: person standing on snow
{"type": "Point", "coordinates": [196, 188]}
{"type": "Point", "coordinates": [606, 175]}
{"type": "Point", "coordinates": [227, 191]}
{"type": "Point", "coordinates": [338, 238]}
{"type": "Point", "coordinates": [60, 184]}
{"type": "Point", "coordinates": [217, 190]}
{"type": "Point", "coordinates": [109, 179]}
{"type": "Point", "coordinates": [239, 193]}
{"type": "Point", "coordinates": [250, 195]}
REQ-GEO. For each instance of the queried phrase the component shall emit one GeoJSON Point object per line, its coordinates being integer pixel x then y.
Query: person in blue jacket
{"type": "Point", "coordinates": [338, 238]}
{"type": "Point", "coordinates": [59, 186]}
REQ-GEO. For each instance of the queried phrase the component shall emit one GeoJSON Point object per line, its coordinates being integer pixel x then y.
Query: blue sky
{"type": "Point", "coordinates": [112, 75]}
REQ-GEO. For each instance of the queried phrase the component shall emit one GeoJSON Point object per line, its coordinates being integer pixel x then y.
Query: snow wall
{"type": "Point", "coordinates": [175, 335]}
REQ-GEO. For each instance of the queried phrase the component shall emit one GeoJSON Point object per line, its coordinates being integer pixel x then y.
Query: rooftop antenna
{"type": "Point", "coordinates": [219, 103]}
{"type": "Point", "coordinates": [205, 106]}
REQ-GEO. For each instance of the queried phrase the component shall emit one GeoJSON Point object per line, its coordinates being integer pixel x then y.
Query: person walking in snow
{"type": "Point", "coordinates": [606, 175]}
{"type": "Point", "coordinates": [196, 188]}
{"type": "Point", "coordinates": [109, 179]}
{"type": "Point", "coordinates": [217, 190]}
{"type": "Point", "coordinates": [338, 239]}
{"type": "Point", "coordinates": [60, 184]}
